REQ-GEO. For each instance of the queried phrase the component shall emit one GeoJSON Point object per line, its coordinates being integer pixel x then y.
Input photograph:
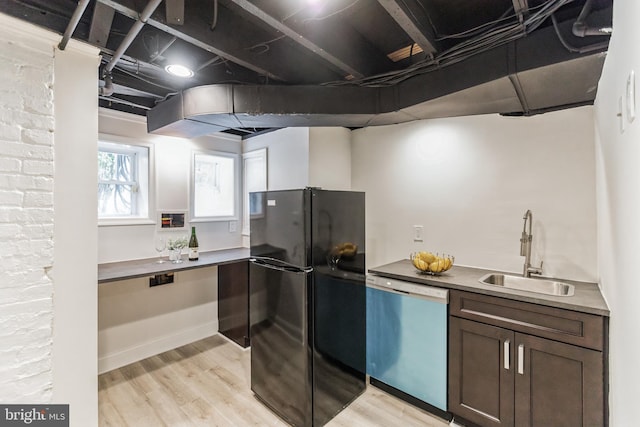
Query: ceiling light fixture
{"type": "Point", "coordinates": [179, 70]}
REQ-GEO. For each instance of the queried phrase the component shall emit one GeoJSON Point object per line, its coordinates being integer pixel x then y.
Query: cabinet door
{"type": "Point", "coordinates": [557, 384]}
{"type": "Point", "coordinates": [481, 374]}
{"type": "Point", "coordinates": [233, 301]}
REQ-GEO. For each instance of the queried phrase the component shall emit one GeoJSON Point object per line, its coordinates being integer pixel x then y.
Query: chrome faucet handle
{"type": "Point", "coordinates": [535, 270]}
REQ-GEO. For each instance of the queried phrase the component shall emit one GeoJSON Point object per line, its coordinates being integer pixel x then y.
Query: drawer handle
{"type": "Point", "coordinates": [507, 352]}
{"type": "Point", "coordinates": [521, 359]}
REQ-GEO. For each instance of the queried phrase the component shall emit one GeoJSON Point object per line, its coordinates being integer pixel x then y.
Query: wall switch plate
{"type": "Point", "coordinates": [418, 233]}
{"type": "Point", "coordinates": [630, 95]}
{"type": "Point", "coordinates": [233, 226]}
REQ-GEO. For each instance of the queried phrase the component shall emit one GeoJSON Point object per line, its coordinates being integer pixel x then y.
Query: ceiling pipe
{"type": "Point", "coordinates": [133, 33]}
{"type": "Point", "coordinates": [107, 89]}
{"type": "Point", "coordinates": [580, 27]}
{"type": "Point", "coordinates": [73, 23]}
{"type": "Point", "coordinates": [574, 49]}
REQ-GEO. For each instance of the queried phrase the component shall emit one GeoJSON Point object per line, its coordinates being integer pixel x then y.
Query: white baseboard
{"type": "Point", "coordinates": [121, 358]}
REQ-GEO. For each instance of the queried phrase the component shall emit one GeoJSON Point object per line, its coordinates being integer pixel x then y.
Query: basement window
{"type": "Point", "coordinates": [214, 186]}
{"type": "Point", "coordinates": [123, 183]}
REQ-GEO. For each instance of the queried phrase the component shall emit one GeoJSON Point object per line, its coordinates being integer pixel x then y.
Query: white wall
{"type": "Point", "coordinates": [172, 180]}
{"type": "Point", "coordinates": [76, 238]}
{"type": "Point", "coordinates": [287, 157]}
{"type": "Point", "coordinates": [303, 157]}
{"type": "Point", "coordinates": [330, 158]}
{"type": "Point", "coordinates": [618, 189]}
{"type": "Point", "coordinates": [26, 212]}
{"type": "Point", "coordinates": [136, 321]}
{"type": "Point", "coordinates": [469, 181]}
{"type": "Point", "coordinates": [48, 127]}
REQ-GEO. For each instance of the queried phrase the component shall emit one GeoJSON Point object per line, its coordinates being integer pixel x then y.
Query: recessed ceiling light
{"type": "Point", "coordinates": [178, 70]}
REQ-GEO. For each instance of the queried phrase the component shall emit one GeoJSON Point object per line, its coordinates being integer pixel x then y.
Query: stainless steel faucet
{"type": "Point", "coordinates": [525, 247]}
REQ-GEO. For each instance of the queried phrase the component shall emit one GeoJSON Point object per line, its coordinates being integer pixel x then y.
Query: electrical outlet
{"type": "Point", "coordinates": [418, 233]}
{"type": "Point", "coordinates": [161, 279]}
{"type": "Point", "coordinates": [233, 226]}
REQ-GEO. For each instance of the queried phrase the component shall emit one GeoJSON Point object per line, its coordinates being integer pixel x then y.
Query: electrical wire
{"type": "Point", "coordinates": [215, 15]}
{"type": "Point", "coordinates": [265, 45]}
{"type": "Point", "coordinates": [337, 12]}
{"type": "Point", "coordinates": [478, 29]}
{"type": "Point", "coordinates": [464, 50]}
{"type": "Point", "coordinates": [144, 79]}
{"type": "Point", "coordinates": [123, 102]}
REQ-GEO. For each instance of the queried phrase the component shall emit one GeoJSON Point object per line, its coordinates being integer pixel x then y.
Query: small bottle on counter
{"type": "Point", "coordinates": [193, 245]}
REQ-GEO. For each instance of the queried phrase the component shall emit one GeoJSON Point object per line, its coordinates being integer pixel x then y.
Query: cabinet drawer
{"type": "Point", "coordinates": [586, 330]}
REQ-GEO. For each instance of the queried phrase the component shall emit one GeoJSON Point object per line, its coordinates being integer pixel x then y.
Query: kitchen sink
{"type": "Point", "coordinates": [541, 286]}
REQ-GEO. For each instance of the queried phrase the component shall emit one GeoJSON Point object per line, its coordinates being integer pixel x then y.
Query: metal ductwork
{"type": "Point", "coordinates": [524, 77]}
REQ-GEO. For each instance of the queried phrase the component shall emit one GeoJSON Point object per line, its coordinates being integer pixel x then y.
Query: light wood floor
{"type": "Point", "coordinates": [207, 383]}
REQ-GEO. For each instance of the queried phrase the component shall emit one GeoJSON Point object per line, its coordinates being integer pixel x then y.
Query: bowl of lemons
{"type": "Point", "coordinates": [429, 263]}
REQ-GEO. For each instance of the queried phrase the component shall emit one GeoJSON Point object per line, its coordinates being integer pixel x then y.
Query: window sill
{"type": "Point", "coordinates": [110, 222]}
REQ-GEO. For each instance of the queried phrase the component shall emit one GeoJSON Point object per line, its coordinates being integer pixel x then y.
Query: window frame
{"type": "Point", "coordinates": [249, 155]}
{"type": "Point", "coordinates": [144, 181]}
{"type": "Point", "coordinates": [192, 187]}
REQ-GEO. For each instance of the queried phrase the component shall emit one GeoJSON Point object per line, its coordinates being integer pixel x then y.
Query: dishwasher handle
{"type": "Point", "coordinates": [412, 290]}
{"type": "Point", "coordinates": [390, 290]}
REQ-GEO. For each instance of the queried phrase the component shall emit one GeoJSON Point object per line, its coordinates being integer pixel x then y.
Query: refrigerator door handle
{"type": "Point", "coordinates": [273, 264]}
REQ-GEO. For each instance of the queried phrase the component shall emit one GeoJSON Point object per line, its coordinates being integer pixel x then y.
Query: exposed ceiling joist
{"type": "Point", "coordinates": [344, 51]}
{"type": "Point", "coordinates": [101, 24]}
{"type": "Point", "coordinates": [421, 35]}
{"type": "Point", "coordinates": [195, 36]}
{"type": "Point", "coordinates": [289, 62]}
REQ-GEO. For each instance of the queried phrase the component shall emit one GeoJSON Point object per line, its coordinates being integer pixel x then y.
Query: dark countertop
{"type": "Point", "coordinates": [113, 271]}
{"type": "Point", "coordinates": [587, 297]}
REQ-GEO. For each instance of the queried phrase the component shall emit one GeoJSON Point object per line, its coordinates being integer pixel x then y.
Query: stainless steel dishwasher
{"type": "Point", "coordinates": [407, 339]}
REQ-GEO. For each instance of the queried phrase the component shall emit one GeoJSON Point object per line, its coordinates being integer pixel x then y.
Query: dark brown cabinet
{"type": "Point", "coordinates": [480, 389]}
{"type": "Point", "coordinates": [557, 384]}
{"type": "Point", "coordinates": [233, 302]}
{"type": "Point", "coordinates": [502, 374]}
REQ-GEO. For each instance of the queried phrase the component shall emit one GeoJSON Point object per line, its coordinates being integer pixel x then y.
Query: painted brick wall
{"type": "Point", "coordinates": [26, 221]}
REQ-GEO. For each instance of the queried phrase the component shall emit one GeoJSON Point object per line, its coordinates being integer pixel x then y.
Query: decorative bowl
{"type": "Point", "coordinates": [429, 263]}
{"type": "Point", "coordinates": [345, 250]}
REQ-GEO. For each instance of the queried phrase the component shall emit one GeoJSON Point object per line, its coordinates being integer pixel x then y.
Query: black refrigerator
{"type": "Point", "coordinates": [307, 302]}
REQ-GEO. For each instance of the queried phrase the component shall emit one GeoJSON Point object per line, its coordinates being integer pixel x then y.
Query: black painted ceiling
{"type": "Point", "coordinates": [334, 43]}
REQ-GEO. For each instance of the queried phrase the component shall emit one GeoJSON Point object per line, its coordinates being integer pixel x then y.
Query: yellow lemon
{"type": "Point", "coordinates": [427, 257]}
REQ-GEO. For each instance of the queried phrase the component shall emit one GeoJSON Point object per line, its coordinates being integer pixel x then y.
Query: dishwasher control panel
{"type": "Point", "coordinates": [402, 287]}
